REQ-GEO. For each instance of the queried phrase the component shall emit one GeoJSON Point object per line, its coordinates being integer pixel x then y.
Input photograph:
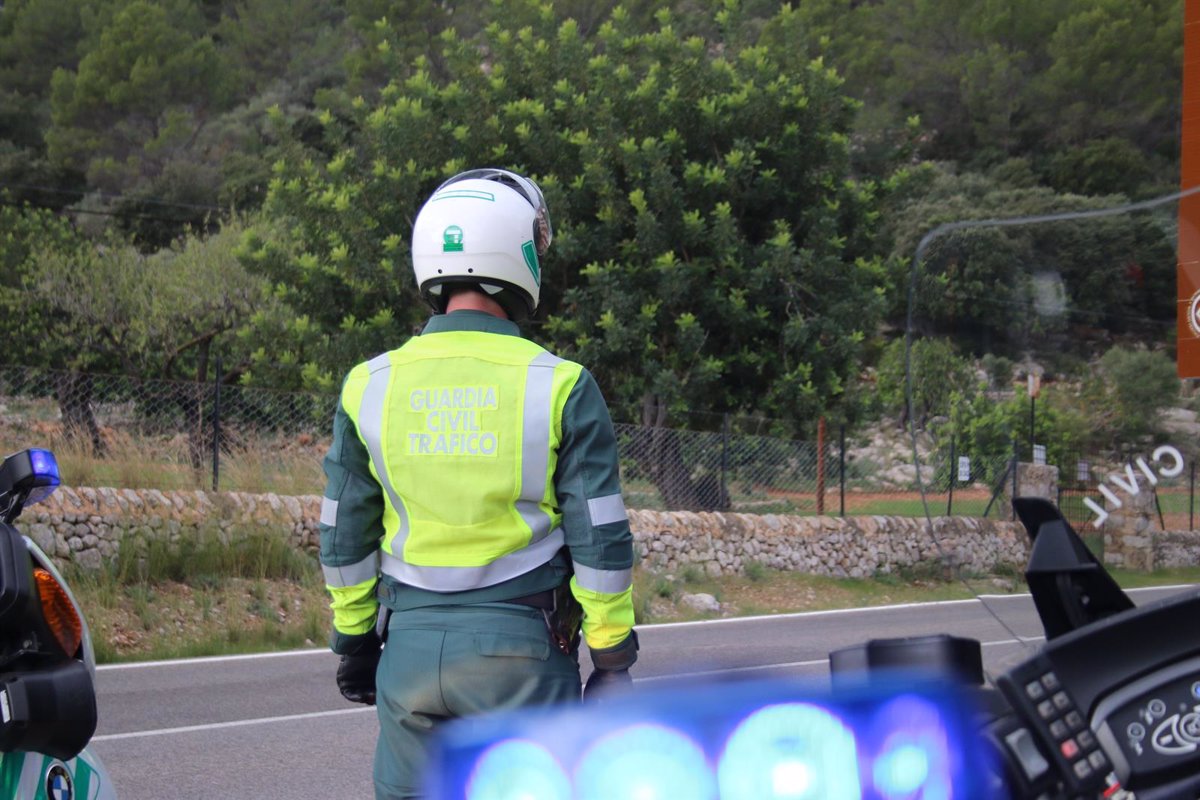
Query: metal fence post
{"type": "Point", "coordinates": [950, 480]}
{"type": "Point", "coordinates": [821, 466]}
{"type": "Point", "coordinates": [1192, 499]}
{"type": "Point", "coordinates": [216, 451]}
{"type": "Point", "coordinates": [842, 470]}
{"type": "Point", "coordinates": [724, 459]}
{"type": "Point", "coordinates": [1015, 464]}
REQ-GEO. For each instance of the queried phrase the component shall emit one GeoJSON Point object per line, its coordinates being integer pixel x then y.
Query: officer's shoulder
{"type": "Point", "coordinates": [363, 370]}
{"type": "Point", "coordinates": [560, 360]}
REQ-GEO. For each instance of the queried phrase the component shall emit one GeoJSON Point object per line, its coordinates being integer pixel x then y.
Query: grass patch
{"type": "Point", "coordinates": [257, 596]}
{"type": "Point", "coordinates": [268, 463]}
{"type": "Point", "coordinates": [755, 570]}
{"type": "Point", "coordinates": [769, 591]}
{"type": "Point", "coordinates": [218, 594]}
{"type": "Point", "coordinates": [1129, 579]}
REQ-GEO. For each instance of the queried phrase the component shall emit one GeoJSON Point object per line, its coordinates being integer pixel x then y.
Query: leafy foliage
{"type": "Point", "coordinates": [713, 253]}
{"type": "Point", "coordinates": [990, 432]}
{"type": "Point", "coordinates": [155, 315]}
{"type": "Point", "coordinates": [1136, 384]}
{"type": "Point", "coordinates": [938, 375]}
{"type": "Point", "coordinates": [733, 235]}
{"type": "Point", "coordinates": [1003, 289]}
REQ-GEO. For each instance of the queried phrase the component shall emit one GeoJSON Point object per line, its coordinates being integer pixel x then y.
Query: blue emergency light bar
{"type": "Point", "coordinates": [762, 740]}
{"type": "Point", "coordinates": [30, 475]}
{"type": "Point", "coordinates": [46, 477]}
{"type": "Point", "coordinates": [45, 466]}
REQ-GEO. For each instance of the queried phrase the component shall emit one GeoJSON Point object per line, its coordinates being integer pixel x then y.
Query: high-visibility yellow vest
{"type": "Point", "coordinates": [463, 429]}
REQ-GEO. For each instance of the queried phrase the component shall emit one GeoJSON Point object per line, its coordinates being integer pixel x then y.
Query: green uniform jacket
{"type": "Point", "coordinates": [597, 556]}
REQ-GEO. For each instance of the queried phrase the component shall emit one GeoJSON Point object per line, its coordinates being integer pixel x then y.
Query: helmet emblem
{"type": "Point", "coordinates": [531, 261]}
{"type": "Point", "coordinates": [452, 240]}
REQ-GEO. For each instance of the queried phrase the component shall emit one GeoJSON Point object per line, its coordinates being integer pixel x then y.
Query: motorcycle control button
{"type": "Point", "coordinates": [1097, 760]}
{"type": "Point", "coordinates": [1058, 729]}
{"type": "Point", "coordinates": [1086, 740]}
{"type": "Point", "coordinates": [1035, 691]}
{"type": "Point", "coordinates": [1074, 719]}
{"type": "Point", "coordinates": [1082, 768]}
{"type": "Point", "coordinates": [1021, 743]}
{"type": "Point", "coordinates": [1045, 709]}
{"type": "Point", "coordinates": [1050, 681]}
{"type": "Point", "coordinates": [1062, 701]}
{"type": "Point", "coordinates": [1069, 749]}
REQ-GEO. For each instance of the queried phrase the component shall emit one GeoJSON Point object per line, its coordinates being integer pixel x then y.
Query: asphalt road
{"type": "Point", "coordinates": [274, 726]}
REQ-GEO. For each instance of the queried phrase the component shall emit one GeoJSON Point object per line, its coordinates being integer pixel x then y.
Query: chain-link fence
{"type": "Point", "coordinates": [124, 432]}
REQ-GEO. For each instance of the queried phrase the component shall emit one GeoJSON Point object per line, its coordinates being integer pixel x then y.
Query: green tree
{"type": "Point", "coordinates": [129, 116]}
{"type": "Point", "coordinates": [992, 80]}
{"type": "Point", "coordinates": [160, 316]}
{"type": "Point", "coordinates": [36, 37]}
{"type": "Point", "coordinates": [28, 327]}
{"type": "Point", "coordinates": [299, 43]}
{"type": "Point", "coordinates": [1114, 69]}
{"type": "Point", "coordinates": [157, 315]}
{"type": "Point", "coordinates": [938, 375]}
{"type": "Point", "coordinates": [1007, 289]}
{"type": "Point", "coordinates": [711, 252]}
{"type": "Point", "coordinates": [1134, 385]}
{"type": "Point", "coordinates": [986, 429]}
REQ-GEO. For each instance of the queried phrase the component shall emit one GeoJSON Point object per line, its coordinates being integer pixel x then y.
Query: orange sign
{"type": "Point", "coordinates": [1188, 271]}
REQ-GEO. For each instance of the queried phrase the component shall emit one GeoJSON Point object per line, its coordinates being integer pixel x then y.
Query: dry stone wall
{"type": "Point", "coordinates": [88, 526]}
{"type": "Point", "coordinates": [854, 547]}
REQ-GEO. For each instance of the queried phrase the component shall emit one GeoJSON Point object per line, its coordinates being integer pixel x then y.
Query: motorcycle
{"type": "Point", "coordinates": [1108, 708]}
{"type": "Point", "coordinates": [47, 664]}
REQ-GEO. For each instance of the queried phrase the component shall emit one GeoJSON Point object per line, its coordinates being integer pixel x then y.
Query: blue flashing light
{"type": "Point", "coordinates": [644, 762]}
{"type": "Point", "coordinates": [723, 740]}
{"type": "Point", "coordinates": [902, 770]}
{"type": "Point", "coordinates": [912, 756]}
{"type": "Point", "coordinates": [45, 466]}
{"type": "Point", "coordinates": [790, 751]}
{"type": "Point", "coordinates": [517, 769]}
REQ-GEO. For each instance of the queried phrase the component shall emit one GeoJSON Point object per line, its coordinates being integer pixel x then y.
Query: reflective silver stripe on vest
{"type": "Point", "coordinates": [610, 508]}
{"type": "Point", "coordinates": [535, 443]}
{"type": "Point", "coordinates": [606, 581]}
{"type": "Point", "coordinates": [460, 579]}
{"type": "Point", "coordinates": [329, 512]}
{"type": "Point", "coordinates": [352, 574]}
{"type": "Point", "coordinates": [370, 425]}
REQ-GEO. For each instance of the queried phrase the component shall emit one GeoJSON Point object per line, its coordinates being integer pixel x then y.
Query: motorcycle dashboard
{"type": "Point", "coordinates": [1151, 727]}
{"type": "Point", "coordinates": [1135, 680]}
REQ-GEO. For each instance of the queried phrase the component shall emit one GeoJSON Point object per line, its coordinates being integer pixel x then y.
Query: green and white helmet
{"type": "Point", "coordinates": [484, 228]}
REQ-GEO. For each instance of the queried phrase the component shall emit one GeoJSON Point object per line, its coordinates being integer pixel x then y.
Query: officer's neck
{"type": "Point", "coordinates": [475, 301]}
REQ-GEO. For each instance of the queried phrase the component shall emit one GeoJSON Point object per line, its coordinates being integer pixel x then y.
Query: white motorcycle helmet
{"type": "Point", "coordinates": [484, 228]}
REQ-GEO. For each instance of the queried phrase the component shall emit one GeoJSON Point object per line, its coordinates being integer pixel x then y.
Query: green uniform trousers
{"type": "Point", "coordinates": [443, 662]}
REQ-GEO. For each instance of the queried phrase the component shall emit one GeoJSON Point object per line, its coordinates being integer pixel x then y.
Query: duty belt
{"type": "Point", "coordinates": [562, 613]}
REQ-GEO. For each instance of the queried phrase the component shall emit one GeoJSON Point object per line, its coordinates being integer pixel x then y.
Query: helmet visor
{"type": "Point", "coordinates": [543, 233]}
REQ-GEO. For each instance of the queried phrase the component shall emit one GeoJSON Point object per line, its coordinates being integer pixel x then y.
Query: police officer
{"type": "Point", "coordinates": [473, 495]}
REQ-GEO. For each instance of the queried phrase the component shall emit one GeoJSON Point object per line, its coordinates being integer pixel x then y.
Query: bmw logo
{"type": "Point", "coordinates": [58, 782]}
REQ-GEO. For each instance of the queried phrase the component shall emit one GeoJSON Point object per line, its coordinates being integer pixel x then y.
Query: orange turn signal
{"type": "Point", "coordinates": [59, 611]}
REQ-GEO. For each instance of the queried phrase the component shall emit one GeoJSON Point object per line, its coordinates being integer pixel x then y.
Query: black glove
{"type": "Point", "coordinates": [356, 671]}
{"type": "Point", "coordinates": [603, 682]}
{"type": "Point", "coordinates": [610, 668]}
